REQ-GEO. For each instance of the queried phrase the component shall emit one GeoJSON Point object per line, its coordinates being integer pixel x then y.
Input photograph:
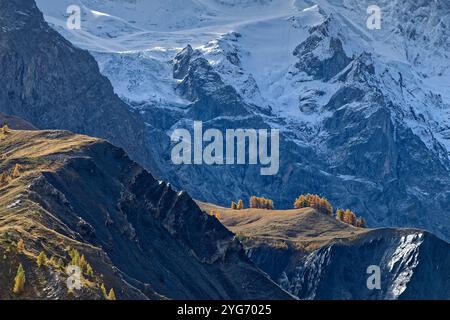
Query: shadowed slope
{"type": "Point", "coordinates": [147, 240]}
{"type": "Point", "coordinates": [314, 256]}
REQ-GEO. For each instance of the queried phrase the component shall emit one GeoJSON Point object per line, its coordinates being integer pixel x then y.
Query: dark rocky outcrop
{"type": "Point", "coordinates": [147, 240]}
{"type": "Point", "coordinates": [202, 85]}
{"type": "Point", "coordinates": [54, 85]}
{"type": "Point", "coordinates": [316, 257]}
{"type": "Point", "coordinates": [413, 265]}
{"type": "Point", "coordinates": [321, 42]}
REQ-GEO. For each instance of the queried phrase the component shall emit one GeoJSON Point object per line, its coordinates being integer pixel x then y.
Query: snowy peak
{"type": "Point", "coordinates": [321, 55]}
{"type": "Point", "coordinates": [204, 87]}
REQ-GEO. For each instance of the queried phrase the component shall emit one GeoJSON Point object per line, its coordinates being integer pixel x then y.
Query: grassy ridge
{"type": "Point", "coordinates": [304, 229]}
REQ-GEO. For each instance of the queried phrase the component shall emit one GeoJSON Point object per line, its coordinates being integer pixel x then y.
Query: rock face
{"type": "Point", "coordinates": [320, 40]}
{"type": "Point", "coordinates": [413, 265]}
{"type": "Point", "coordinates": [210, 96]}
{"type": "Point", "coordinates": [147, 240]}
{"type": "Point", "coordinates": [362, 155]}
{"type": "Point", "coordinates": [53, 85]}
{"type": "Point", "coordinates": [315, 257]}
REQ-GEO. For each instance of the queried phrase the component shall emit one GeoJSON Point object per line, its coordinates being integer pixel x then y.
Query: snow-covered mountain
{"type": "Point", "coordinates": [364, 114]}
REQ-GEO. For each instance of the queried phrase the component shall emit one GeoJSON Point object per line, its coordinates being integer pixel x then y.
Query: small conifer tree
{"type": "Point", "coordinates": [340, 214]}
{"type": "Point", "coordinates": [89, 270]}
{"type": "Point", "coordinates": [20, 245]}
{"type": "Point", "coordinates": [75, 255]}
{"type": "Point", "coordinates": [41, 260]}
{"type": "Point", "coordinates": [301, 202]}
{"type": "Point", "coordinates": [16, 171]}
{"type": "Point", "coordinates": [19, 280]}
{"type": "Point", "coordinates": [4, 178]}
{"type": "Point", "coordinates": [5, 129]}
{"type": "Point", "coordinates": [53, 261]}
{"type": "Point", "coordinates": [82, 263]}
{"type": "Point", "coordinates": [111, 295]}
{"type": "Point", "coordinates": [253, 202]}
{"type": "Point", "coordinates": [103, 289]}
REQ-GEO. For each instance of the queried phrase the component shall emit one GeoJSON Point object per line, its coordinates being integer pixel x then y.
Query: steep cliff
{"type": "Point", "coordinates": [54, 85]}
{"type": "Point", "coordinates": [62, 192]}
{"type": "Point", "coordinates": [314, 256]}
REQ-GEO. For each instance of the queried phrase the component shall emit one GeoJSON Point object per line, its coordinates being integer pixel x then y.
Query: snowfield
{"type": "Point", "coordinates": [134, 42]}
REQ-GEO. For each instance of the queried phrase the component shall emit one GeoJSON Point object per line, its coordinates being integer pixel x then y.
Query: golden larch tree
{"type": "Point", "coordinates": [41, 259]}
{"type": "Point", "coordinates": [19, 280]}
{"type": "Point", "coordinates": [111, 295]}
{"type": "Point", "coordinates": [20, 246]}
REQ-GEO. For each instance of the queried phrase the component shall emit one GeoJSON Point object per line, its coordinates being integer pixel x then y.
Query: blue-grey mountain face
{"type": "Point", "coordinates": [411, 267]}
{"type": "Point", "coordinates": [364, 113]}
